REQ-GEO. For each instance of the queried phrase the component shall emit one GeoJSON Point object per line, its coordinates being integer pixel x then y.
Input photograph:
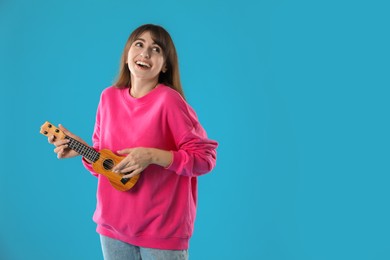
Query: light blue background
{"type": "Point", "coordinates": [296, 93]}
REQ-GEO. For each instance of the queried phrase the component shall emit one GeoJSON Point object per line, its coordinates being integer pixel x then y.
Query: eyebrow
{"type": "Point", "coordinates": [139, 39]}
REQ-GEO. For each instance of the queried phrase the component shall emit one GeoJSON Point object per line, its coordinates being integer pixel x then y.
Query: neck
{"type": "Point", "coordinates": [140, 88]}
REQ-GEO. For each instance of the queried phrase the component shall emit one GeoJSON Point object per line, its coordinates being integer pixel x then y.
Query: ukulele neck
{"type": "Point", "coordinates": [84, 150]}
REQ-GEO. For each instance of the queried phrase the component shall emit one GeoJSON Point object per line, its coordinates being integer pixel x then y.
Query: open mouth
{"type": "Point", "coordinates": [143, 65]}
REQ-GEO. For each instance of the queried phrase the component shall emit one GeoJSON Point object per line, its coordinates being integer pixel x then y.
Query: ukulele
{"type": "Point", "coordinates": [102, 161]}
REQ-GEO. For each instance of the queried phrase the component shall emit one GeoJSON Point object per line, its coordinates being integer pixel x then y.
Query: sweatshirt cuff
{"type": "Point", "coordinates": [88, 166]}
{"type": "Point", "coordinates": [175, 164]}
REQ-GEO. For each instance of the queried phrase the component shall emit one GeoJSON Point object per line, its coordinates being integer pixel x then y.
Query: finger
{"type": "Point", "coordinates": [61, 142]}
{"type": "Point", "coordinates": [66, 131]}
{"type": "Point", "coordinates": [132, 174]}
{"type": "Point", "coordinates": [60, 152]}
{"type": "Point", "coordinates": [50, 139]}
{"type": "Point", "coordinates": [124, 168]}
{"type": "Point", "coordinates": [59, 149]}
{"type": "Point", "coordinates": [70, 134]}
{"type": "Point", "coordinates": [63, 129]}
{"type": "Point", "coordinates": [129, 169]}
{"type": "Point", "coordinates": [118, 167]}
{"type": "Point", "coordinates": [122, 164]}
{"type": "Point", "coordinates": [124, 151]}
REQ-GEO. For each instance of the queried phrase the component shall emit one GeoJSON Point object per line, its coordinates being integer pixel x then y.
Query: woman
{"type": "Point", "coordinates": [144, 116]}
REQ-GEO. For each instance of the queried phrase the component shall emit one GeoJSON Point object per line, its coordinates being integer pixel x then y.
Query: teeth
{"type": "Point", "coordinates": [143, 63]}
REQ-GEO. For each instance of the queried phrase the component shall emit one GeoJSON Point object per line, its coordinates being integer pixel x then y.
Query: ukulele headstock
{"type": "Point", "coordinates": [48, 129]}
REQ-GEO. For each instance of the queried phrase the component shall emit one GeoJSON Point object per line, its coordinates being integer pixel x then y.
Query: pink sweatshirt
{"type": "Point", "coordinates": [159, 211]}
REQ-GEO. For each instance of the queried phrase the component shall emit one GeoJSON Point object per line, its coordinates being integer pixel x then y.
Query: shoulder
{"type": "Point", "coordinates": [169, 94]}
{"type": "Point", "coordinates": [171, 98]}
{"type": "Point", "coordinates": [111, 93]}
{"type": "Point", "coordinates": [111, 90]}
{"type": "Point", "coordinates": [176, 106]}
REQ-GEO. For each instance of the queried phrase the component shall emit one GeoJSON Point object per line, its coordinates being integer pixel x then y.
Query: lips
{"type": "Point", "coordinates": [143, 64]}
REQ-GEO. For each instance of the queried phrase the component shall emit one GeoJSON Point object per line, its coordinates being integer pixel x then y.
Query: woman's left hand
{"type": "Point", "coordinates": [135, 162]}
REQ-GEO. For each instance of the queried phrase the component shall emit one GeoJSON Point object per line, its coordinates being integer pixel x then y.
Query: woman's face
{"type": "Point", "coordinates": [145, 58]}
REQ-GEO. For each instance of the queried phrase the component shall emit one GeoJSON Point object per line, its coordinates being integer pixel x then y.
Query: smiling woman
{"type": "Point", "coordinates": [150, 48]}
{"type": "Point", "coordinates": [145, 118]}
{"type": "Point", "coordinates": [145, 61]}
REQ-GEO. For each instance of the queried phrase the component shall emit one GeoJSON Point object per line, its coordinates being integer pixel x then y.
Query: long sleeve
{"type": "Point", "coordinates": [195, 154]}
{"type": "Point", "coordinates": [95, 140]}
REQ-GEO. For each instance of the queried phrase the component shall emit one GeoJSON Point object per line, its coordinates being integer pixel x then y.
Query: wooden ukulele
{"type": "Point", "coordinates": [102, 161]}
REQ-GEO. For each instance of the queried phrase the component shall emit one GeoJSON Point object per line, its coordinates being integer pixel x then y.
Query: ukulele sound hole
{"type": "Point", "coordinates": [108, 164]}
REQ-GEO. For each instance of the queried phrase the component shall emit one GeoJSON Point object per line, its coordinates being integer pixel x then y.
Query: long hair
{"type": "Point", "coordinates": [159, 35]}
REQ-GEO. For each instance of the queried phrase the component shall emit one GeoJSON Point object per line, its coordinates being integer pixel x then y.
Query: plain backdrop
{"type": "Point", "coordinates": [295, 92]}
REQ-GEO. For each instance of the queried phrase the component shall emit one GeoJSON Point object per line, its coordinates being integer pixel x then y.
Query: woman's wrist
{"type": "Point", "coordinates": [161, 157]}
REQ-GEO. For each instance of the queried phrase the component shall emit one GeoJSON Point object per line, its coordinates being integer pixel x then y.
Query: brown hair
{"type": "Point", "coordinates": [171, 77]}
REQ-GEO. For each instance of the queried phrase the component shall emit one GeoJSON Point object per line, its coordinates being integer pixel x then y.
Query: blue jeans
{"type": "Point", "coordinates": [117, 250]}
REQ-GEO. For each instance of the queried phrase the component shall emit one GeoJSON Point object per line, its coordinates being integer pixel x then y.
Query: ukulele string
{"type": "Point", "coordinates": [95, 154]}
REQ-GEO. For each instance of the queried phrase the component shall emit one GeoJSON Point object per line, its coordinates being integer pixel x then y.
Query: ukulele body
{"type": "Point", "coordinates": [102, 162]}
{"type": "Point", "coordinates": [107, 160]}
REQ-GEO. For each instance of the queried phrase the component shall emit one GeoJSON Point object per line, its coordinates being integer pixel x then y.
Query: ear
{"type": "Point", "coordinates": [164, 69]}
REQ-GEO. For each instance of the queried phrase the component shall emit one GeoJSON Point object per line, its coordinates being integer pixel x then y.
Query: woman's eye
{"type": "Point", "coordinates": [157, 49]}
{"type": "Point", "coordinates": [138, 44]}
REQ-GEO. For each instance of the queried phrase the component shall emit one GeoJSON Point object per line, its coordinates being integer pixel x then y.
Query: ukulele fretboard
{"type": "Point", "coordinates": [83, 149]}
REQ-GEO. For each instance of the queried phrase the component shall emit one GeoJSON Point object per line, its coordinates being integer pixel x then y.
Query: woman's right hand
{"type": "Point", "coordinates": [62, 150]}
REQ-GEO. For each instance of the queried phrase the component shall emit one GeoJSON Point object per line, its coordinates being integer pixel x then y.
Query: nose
{"type": "Point", "coordinates": [145, 53]}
